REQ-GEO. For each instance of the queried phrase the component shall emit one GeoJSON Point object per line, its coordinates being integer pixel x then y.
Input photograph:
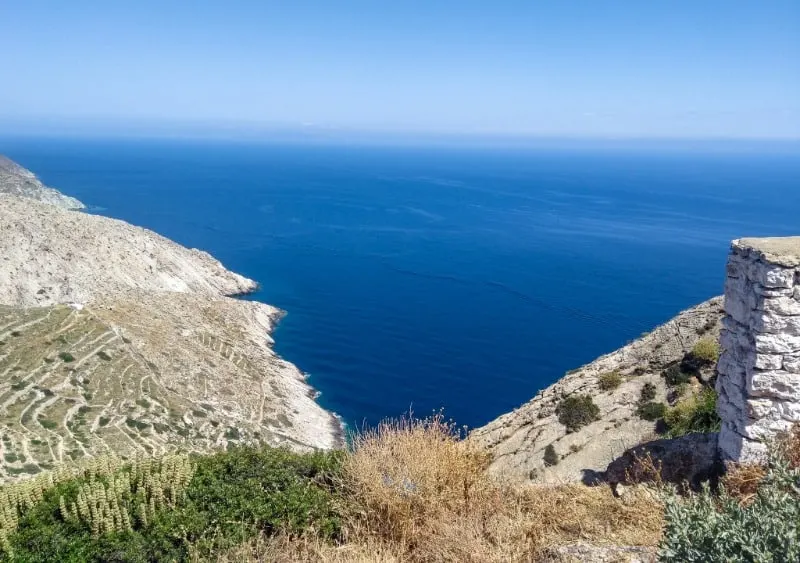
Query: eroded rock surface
{"type": "Point", "coordinates": [517, 440]}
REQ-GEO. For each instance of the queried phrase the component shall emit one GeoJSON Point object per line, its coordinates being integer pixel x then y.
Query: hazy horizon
{"type": "Point", "coordinates": [620, 70]}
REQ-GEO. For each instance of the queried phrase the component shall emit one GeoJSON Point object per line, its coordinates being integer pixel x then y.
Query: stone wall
{"type": "Point", "coordinates": [759, 368]}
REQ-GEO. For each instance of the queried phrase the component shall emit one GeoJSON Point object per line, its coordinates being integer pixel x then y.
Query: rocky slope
{"type": "Point", "coordinates": [116, 339]}
{"type": "Point", "coordinates": [16, 180]}
{"type": "Point", "coordinates": [51, 255]}
{"type": "Point", "coordinates": [517, 440]}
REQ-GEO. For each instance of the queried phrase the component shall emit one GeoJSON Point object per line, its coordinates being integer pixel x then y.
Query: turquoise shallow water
{"type": "Point", "coordinates": [463, 278]}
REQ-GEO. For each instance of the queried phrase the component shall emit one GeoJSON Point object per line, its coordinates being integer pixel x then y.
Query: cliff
{"type": "Point", "coordinates": [116, 339]}
{"type": "Point", "coordinates": [16, 180]}
{"type": "Point", "coordinates": [517, 440]}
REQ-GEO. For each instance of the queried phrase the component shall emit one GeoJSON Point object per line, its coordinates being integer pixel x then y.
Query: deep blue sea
{"type": "Point", "coordinates": [457, 278]}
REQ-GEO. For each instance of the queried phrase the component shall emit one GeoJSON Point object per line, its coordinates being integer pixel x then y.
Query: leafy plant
{"type": "Point", "coordinates": [674, 375]}
{"type": "Point", "coordinates": [648, 393]}
{"type": "Point", "coordinates": [719, 527]}
{"type": "Point", "coordinates": [651, 411]}
{"type": "Point", "coordinates": [66, 356]}
{"type": "Point", "coordinates": [576, 411]}
{"type": "Point", "coordinates": [706, 350]}
{"type": "Point", "coordinates": [609, 380]}
{"type": "Point", "coordinates": [697, 414]}
{"type": "Point", "coordinates": [550, 456]}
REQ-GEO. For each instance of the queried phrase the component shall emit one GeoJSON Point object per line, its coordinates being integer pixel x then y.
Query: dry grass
{"type": "Point", "coordinates": [742, 481]}
{"type": "Point", "coordinates": [415, 492]}
{"type": "Point", "coordinates": [415, 486]}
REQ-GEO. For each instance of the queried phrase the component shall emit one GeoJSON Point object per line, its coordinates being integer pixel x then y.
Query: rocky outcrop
{"type": "Point", "coordinates": [517, 440]}
{"type": "Point", "coordinates": [16, 180]}
{"type": "Point", "coordinates": [759, 369]}
{"type": "Point", "coordinates": [50, 255]}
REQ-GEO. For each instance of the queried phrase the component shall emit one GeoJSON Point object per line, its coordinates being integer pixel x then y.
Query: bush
{"type": "Point", "coordinates": [67, 357]}
{"type": "Point", "coordinates": [674, 375]}
{"type": "Point", "coordinates": [609, 380]}
{"type": "Point", "coordinates": [550, 456]}
{"type": "Point", "coordinates": [697, 414]}
{"type": "Point", "coordinates": [708, 527]}
{"type": "Point", "coordinates": [232, 497]}
{"type": "Point", "coordinates": [648, 393]}
{"type": "Point", "coordinates": [706, 350]}
{"type": "Point", "coordinates": [577, 411]}
{"type": "Point", "coordinates": [651, 411]}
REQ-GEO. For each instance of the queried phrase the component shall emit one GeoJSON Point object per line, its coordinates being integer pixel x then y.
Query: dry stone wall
{"type": "Point", "coordinates": [759, 368]}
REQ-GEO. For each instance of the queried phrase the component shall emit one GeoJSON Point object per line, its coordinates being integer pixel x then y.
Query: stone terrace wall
{"type": "Point", "coordinates": [759, 368]}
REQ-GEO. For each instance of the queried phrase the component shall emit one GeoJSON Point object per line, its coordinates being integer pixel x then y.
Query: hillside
{"type": "Point", "coordinates": [116, 340]}
{"type": "Point", "coordinates": [517, 440]}
{"type": "Point", "coordinates": [16, 180]}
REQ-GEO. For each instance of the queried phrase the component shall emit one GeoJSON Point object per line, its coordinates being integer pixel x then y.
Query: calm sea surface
{"type": "Point", "coordinates": [466, 279]}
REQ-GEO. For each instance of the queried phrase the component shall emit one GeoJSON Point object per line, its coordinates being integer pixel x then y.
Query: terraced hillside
{"type": "Point", "coordinates": [146, 373]}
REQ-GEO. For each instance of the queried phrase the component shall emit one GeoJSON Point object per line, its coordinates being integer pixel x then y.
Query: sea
{"type": "Point", "coordinates": [459, 278]}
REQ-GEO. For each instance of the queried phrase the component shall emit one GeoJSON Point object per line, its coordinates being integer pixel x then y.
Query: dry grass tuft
{"type": "Point", "coordinates": [287, 549]}
{"type": "Point", "coordinates": [742, 481]}
{"type": "Point", "coordinates": [417, 487]}
{"type": "Point", "coordinates": [790, 447]}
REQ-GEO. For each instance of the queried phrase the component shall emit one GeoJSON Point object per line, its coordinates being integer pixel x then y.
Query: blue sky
{"type": "Point", "coordinates": [593, 68]}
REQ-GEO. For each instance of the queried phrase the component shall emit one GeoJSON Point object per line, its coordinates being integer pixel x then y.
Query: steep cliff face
{"type": "Point", "coordinates": [16, 180]}
{"type": "Point", "coordinates": [517, 440]}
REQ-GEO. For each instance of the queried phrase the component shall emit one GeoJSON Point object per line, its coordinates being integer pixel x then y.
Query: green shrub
{"type": "Point", "coordinates": [577, 411]}
{"type": "Point", "coordinates": [66, 356]}
{"type": "Point", "coordinates": [674, 375]}
{"type": "Point", "coordinates": [648, 393]}
{"type": "Point", "coordinates": [550, 456]}
{"type": "Point", "coordinates": [651, 411]}
{"type": "Point", "coordinates": [708, 527]}
{"type": "Point", "coordinates": [232, 497]}
{"type": "Point", "coordinates": [104, 356]}
{"type": "Point", "coordinates": [609, 380]}
{"type": "Point", "coordinates": [696, 414]}
{"type": "Point", "coordinates": [49, 424]}
{"type": "Point", "coordinates": [706, 350]}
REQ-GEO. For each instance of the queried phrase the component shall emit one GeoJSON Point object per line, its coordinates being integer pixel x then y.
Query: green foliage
{"type": "Point", "coordinates": [651, 411]}
{"type": "Point", "coordinates": [550, 456]}
{"type": "Point", "coordinates": [674, 375]}
{"type": "Point", "coordinates": [104, 356]}
{"type": "Point", "coordinates": [49, 424]}
{"type": "Point", "coordinates": [706, 350]}
{"type": "Point", "coordinates": [66, 356]}
{"type": "Point", "coordinates": [696, 414]}
{"type": "Point", "coordinates": [577, 411]}
{"type": "Point", "coordinates": [229, 498]}
{"type": "Point", "coordinates": [609, 380]}
{"type": "Point", "coordinates": [707, 527]}
{"type": "Point", "coordinates": [648, 393]}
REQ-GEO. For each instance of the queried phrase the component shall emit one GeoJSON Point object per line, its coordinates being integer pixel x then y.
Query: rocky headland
{"type": "Point", "coordinates": [116, 339]}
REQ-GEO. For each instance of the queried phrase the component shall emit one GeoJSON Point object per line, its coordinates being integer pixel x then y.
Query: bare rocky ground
{"type": "Point", "coordinates": [517, 440]}
{"type": "Point", "coordinates": [116, 339]}
{"type": "Point", "coordinates": [16, 180]}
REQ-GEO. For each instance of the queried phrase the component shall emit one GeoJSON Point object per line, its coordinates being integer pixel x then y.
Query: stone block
{"type": "Point", "coordinates": [766, 361]}
{"type": "Point", "coordinates": [772, 323]}
{"type": "Point", "coordinates": [791, 364]}
{"type": "Point", "coordinates": [786, 306]}
{"type": "Point", "coordinates": [771, 276]}
{"type": "Point", "coordinates": [778, 384]}
{"type": "Point", "coordinates": [776, 343]}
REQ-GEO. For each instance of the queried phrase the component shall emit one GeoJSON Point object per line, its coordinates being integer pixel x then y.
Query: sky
{"type": "Point", "coordinates": [553, 68]}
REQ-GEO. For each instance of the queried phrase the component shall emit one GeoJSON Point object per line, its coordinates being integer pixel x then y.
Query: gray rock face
{"type": "Point", "coordinates": [759, 369]}
{"type": "Point", "coordinates": [517, 439]}
{"type": "Point", "coordinates": [16, 180]}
